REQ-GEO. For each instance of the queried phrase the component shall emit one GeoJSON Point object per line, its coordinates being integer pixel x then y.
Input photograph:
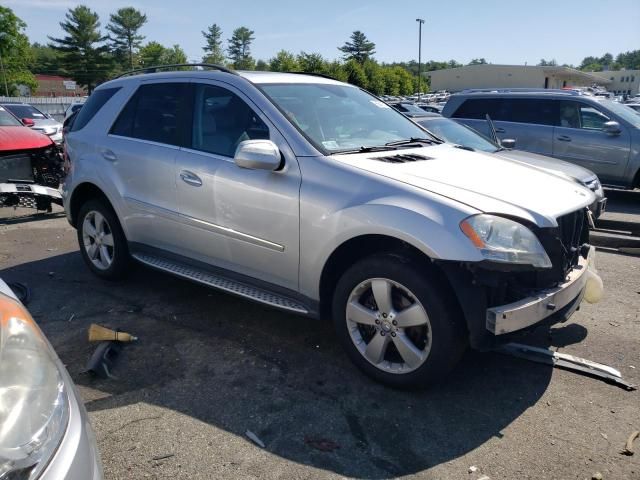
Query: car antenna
{"type": "Point", "coordinates": [492, 129]}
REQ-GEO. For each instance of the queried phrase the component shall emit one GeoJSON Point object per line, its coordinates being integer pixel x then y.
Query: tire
{"type": "Point", "coordinates": [106, 255]}
{"type": "Point", "coordinates": [414, 290]}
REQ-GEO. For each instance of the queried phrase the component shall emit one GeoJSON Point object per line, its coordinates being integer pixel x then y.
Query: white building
{"type": "Point", "coordinates": [622, 81]}
{"type": "Point", "coordinates": [512, 76]}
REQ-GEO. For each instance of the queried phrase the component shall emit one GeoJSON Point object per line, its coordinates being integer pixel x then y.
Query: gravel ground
{"type": "Point", "coordinates": [209, 366]}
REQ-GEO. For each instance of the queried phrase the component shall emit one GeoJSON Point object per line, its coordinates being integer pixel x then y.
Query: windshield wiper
{"type": "Point", "coordinates": [463, 147]}
{"type": "Point", "coordinates": [409, 141]}
{"type": "Point", "coordinates": [363, 149]}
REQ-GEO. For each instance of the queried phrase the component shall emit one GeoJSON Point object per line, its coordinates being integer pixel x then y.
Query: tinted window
{"type": "Point", "coordinates": [221, 120]}
{"type": "Point", "coordinates": [478, 108]}
{"type": "Point", "coordinates": [153, 113]}
{"type": "Point", "coordinates": [579, 115]}
{"type": "Point", "coordinates": [26, 111]}
{"type": "Point", "coordinates": [91, 107]}
{"type": "Point", "coordinates": [530, 110]}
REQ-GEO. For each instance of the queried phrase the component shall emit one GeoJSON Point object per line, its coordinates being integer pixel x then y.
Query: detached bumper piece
{"type": "Point", "coordinates": [29, 195]}
{"type": "Point", "coordinates": [531, 310]}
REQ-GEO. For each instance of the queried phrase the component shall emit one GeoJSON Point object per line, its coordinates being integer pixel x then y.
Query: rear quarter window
{"type": "Point", "coordinates": [95, 102]}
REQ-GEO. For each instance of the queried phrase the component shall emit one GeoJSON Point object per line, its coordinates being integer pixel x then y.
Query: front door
{"type": "Point", "coordinates": [243, 220]}
{"type": "Point", "coordinates": [578, 138]}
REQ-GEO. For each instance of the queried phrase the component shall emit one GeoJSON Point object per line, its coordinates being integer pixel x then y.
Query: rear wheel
{"type": "Point", "coordinates": [397, 323]}
{"type": "Point", "coordinates": [102, 242]}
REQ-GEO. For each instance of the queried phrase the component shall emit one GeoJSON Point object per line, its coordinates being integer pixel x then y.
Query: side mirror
{"type": "Point", "coordinates": [258, 155]}
{"type": "Point", "coordinates": [612, 128]}
{"type": "Point", "coordinates": [508, 143]}
{"type": "Point", "coordinates": [28, 122]}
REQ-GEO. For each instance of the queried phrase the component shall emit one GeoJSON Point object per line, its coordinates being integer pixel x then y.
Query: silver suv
{"type": "Point", "coordinates": [593, 132]}
{"type": "Point", "coordinates": [312, 196]}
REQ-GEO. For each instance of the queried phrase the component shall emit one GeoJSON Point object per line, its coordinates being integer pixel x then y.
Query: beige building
{"type": "Point", "coordinates": [622, 81]}
{"type": "Point", "coordinates": [511, 76]}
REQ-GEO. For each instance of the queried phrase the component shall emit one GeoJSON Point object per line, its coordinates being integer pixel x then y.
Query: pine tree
{"type": "Point", "coordinates": [213, 48]}
{"type": "Point", "coordinates": [124, 27]}
{"type": "Point", "coordinates": [84, 53]}
{"type": "Point", "coordinates": [239, 49]}
{"type": "Point", "coordinates": [359, 48]}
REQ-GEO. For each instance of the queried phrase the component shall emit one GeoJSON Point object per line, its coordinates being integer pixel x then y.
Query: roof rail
{"type": "Point", "coordinates": [521, 90]}
{"type": "Point", "coordinates": [157, 68]}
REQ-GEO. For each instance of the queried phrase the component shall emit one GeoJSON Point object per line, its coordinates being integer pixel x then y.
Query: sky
{"type": "Point", "coordinates": [503, 32]}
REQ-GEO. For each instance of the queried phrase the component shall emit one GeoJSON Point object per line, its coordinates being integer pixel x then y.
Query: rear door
{"type": "Point", "coordinates": [578, 138]}
{"type": "Point", "coordinates": [142, 148]}
{"type": "Point", "coordinates": [235, 218]}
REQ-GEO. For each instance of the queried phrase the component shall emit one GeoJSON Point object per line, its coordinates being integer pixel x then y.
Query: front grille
{"type": "Point", "coordinates": [563, 243]}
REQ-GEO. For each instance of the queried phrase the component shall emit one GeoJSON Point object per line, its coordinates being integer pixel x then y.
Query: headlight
{"type": "Point", "coordinates": [503, 240]}
{"type": "Point", "coordinates": [34, 408]}
{"type": "Point", "coordinates": [50, 130]}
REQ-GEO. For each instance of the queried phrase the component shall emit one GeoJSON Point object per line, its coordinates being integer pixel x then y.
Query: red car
{"type": "Point", "coordinates": [30, 166]}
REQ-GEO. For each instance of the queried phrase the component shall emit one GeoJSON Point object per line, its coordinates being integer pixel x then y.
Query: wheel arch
{"type": "Point", "coordinates": [83, 193]}
{"type": "Point", "coordinates": [362, 246]}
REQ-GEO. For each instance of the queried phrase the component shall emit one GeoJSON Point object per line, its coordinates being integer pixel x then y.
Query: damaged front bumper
{"type": "Point", "coordinates": [492, 321]}
{"type": "Point", "coordinates": [37, 196]}
{"type": "Point", "coordinates": [531, 310]}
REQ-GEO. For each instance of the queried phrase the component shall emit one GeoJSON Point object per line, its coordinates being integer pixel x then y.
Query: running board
{"type": "Point", "coordinates": [219, 282]}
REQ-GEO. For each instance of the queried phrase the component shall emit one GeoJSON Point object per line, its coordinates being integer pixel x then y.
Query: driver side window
{"type": "Point", "coordinates": [580, 115]}
{"type": "Point", "coordinates": [221, 120]}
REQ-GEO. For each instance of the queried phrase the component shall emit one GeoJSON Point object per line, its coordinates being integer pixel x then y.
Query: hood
{"type": "Point", "coordinates": [22, 138]}
{"type": "Point", "coordinates": [45, 122]}
{"type": "Point", "coordinates": [485, 182]}
{"type": "Point", "coordinates": [550, 164]}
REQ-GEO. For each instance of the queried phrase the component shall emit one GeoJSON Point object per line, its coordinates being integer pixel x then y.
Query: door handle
{"type": "Point", "coordinates": [109, 155]}
{"type": "Point", "coordinates": [564, 138]}
{"type": "Point", "coordinates": [190, 178]}
{"type": "Point", "coordinates": [499, 130]}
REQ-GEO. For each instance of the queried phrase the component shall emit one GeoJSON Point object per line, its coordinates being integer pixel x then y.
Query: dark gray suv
{"type": "Point", "coordinates": [596, 133]}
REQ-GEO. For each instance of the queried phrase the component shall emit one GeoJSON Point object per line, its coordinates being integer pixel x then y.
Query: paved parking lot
{"type": "Point", "coordinates": [208, 367]}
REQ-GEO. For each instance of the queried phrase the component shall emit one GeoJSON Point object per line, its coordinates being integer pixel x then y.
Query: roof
{"type": "Point", "coordinates": [547, 69]}
{"type": "Point", "coordinates": [51, 77]}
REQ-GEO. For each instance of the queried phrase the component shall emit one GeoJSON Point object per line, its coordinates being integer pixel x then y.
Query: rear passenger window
{"type": "Point", "coordinates": [530, 110]}
{"type": "Point", "coordinates": [154, 113]}
{"type": "Point", "coordinates": [95, 102]}
{"type": "Point", "coordinates": [478, 108]}
{"type": "Point", "coordinates": [221, 120]}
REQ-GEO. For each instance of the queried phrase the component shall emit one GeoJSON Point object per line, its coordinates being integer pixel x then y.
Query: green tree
{"type": "Point", "coordinates": [16, 53]}
{"type": "Point", "coordinates": [83, 53]}
{"type": "Point", "coordinates": [124, 26]}
{"type": "Point", "coordinates": [549, 63]}
{"type": "Point", "coordinates": [335, 70]}
{"type": "Point", "coordinates": [284, 62]}
{"type": "Point", "coordinates": [44, 59]}
{"type": "Point", "coordinates": [151, 54]}
{"type": "Point", "coordinates": [213, 49]}
{"type": "Point", "coordinates": [173, 56]}
{"type": "Point", "coordinates": [355, 73]}
{"type": "Point", "coordinates": [375, 77]}
{"type": "Point", "coordinates": [478, 61]}
{"type": "Point", "coordinates": [262, 66]}
{"type": "Point", "coordinates": [239, 49]}
{"type": "Point", "coordinates": [311, 62]}
{"type": "Point", "coordinates": [629, 60]}
{"type": "Point", "coordinates": [359, 48]}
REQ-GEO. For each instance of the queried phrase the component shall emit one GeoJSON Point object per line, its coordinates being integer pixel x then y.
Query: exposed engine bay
{"type": "Point", "coordinates": [30, 178]}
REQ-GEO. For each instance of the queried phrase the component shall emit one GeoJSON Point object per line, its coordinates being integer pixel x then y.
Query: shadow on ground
{"type": "Point", "coordinates": [239, 366]}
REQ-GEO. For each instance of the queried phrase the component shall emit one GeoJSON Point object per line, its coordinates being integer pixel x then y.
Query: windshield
{"type": "Point", "coordinates": [341, 118]}
{"type": "Point", "coordinates": [25, 111]}
{"type": "Point", "coordinates": [622, 111]}
{"type": "Point", "coordinates": [453, 132]}
{"type": "Point", "coordinates": [7, 120]}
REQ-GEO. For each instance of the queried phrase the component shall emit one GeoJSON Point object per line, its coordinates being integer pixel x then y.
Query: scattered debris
{"type": "Point", "coordinates": [322, 444]}
{"type": "Point", "coordinates": [51, 274]}
{"type": "Point", "coordinates": [604, 435]}
{"type": "Point", "coordinates": [162, 457]}
{"type": "Point", "coordinates": [254, 438]}
{"type": "Point", "coordinates": [567, 362]}
{"type": "Point", "coordinates": [71, 317]}
{"type": "Point", "coordinates": [628, 448]}
{"type": "Point", "coordinates": [103, 359]}
{"type": "Point", "coordinates": [631, 366]}
{"type": "Point", "coordinates": [473, 469]}
{"type": "Point", "coordinates": [596, 476]}
{"type": "Point", "coordinates": [614, 324]}
{"type": "Point", "coordinates": [484, 477]}
{"type": "Point", "coordinates": [98, 333]}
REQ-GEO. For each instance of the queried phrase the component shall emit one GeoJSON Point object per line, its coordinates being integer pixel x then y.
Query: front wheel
{"type": "Point", "coordinates": [398, 323]}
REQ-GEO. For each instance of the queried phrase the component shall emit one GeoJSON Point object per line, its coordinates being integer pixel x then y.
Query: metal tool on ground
{"type": "Point", "coordinates": [98, 333]}
{"type": "Point", "coordinates": [567, 362]}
